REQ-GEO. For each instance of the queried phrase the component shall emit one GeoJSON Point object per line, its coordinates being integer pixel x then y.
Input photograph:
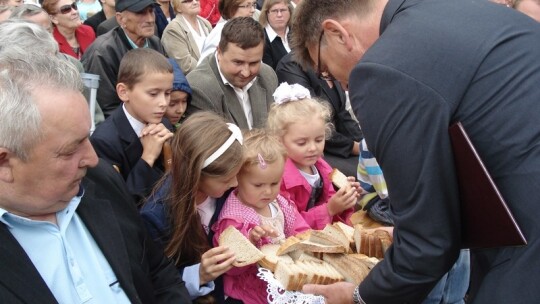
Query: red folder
{"type": "Point", "coordinates": [486, 221]}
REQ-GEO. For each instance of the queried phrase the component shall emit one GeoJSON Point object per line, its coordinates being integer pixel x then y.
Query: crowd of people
{"type": "Point", "coordinates": [213, 114]}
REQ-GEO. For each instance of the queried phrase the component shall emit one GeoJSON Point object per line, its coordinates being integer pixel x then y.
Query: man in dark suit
{"type": "Point", "coordinates": [413, 68]}
{"type": "Point", "coordinates": [69, 232]}
{"type": "Point", "coordinates": [341, 149]}
{"type": "Point", "coordinates": [233, 82]}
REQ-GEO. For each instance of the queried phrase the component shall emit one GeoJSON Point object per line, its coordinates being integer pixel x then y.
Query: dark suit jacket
{"type": "Point", "coordinates": [106, 26]}
{"type": "Point", "coordinates": [96, 20]}
{"type": "Point", "coordinates": [347, 131]}
{"type": "Point", "coordinates": [106, 209]}
{"type": "Point", "coordinates": [115, 141]}
{"type": "Point", "coordinates": [437, 62]}
{"type": "Point", "coordinates": [161, 19]}
{"type": "Point", "coordinates": [210, 94]}
{"type": "Point", "coordinates": [273, 51]}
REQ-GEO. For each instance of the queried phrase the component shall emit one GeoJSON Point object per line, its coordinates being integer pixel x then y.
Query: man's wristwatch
{"type": "Point", "coordinates": [356, 296]}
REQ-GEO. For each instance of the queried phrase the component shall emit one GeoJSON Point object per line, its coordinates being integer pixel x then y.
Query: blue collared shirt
{"type": "Point", "coordinates": [133, 45]}
{"type": "Point", "coordinates": [67, 257]}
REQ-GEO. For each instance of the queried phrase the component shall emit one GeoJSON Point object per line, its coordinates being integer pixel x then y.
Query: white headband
{"type": "Point", "coordinates": [236, 135]}
{"type": "Point", "coordinates": [290, 92]}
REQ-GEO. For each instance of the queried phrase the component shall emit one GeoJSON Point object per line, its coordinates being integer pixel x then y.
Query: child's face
{"type": "Point", "coordinates": [177, 106]}
{"type": "Point", "coordinates": [258, 187]}
{"type": "Point", "coordinates": [216, 186]}
{"type": "Point", "coordinates": [304, 141]}
{"type": "Point", "coordinates": [148, 99]}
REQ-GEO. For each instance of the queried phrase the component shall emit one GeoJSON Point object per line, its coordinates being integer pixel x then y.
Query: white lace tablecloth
{"type": "Point", "coordinates": [278, 295]}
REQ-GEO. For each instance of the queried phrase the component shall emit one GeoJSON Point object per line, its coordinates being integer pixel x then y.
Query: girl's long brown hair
{"type": "Point", "coordinates": [196, 139]}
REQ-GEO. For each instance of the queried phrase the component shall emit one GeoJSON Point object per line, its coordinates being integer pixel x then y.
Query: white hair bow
{"type": "Point", "coordinates": [290, 92]}
{"type": "Point", "coordinates": [236, 134]}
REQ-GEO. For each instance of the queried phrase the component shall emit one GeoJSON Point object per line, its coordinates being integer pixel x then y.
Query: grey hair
{"type": "Point", "coordinates": [4, 8]}
{"type": "Point", "coordinates": [22, 77]}
{"type": "Point", "coordinates": [21, 36]}
{"type": "Point", "coordinates": [25, 10]}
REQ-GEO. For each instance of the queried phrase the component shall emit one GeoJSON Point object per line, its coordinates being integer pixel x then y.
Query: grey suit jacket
{"type": "Point", "coordinates": [210, 94]}
{"type": "Point", "coordinates": [179, 43]}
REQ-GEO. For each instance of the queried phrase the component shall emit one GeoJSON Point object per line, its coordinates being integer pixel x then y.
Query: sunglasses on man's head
{"type": "Point", "coordinates": [64, 9]}
{"type": "Point", "coordinates": [188, 1]}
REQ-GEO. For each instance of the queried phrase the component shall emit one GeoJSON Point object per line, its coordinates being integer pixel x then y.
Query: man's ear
{"type": "Point", "coordinates": [119, 19]}
{"type": "Point", "coordinates": [122, 91]}
{"type": "Point", "coordinates": [219, 54]}
{"type": "Point", "coordinates": [6, 174]}
{"type": "Point", "coordinates": [336, 33]}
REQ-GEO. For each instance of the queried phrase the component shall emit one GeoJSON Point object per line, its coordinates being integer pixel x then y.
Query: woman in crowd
{"type": "Point", "coordinates": [164, 14]}
{"type": "Point", "coordinates": [72, 36]}
{"type": "Point", "coordinates": [207, 155]}
{"type": "Point", "coordinates": [275, 18]}
{"type": "Point", "coordinates": [184, 37]}
{"type": "Point", "coordinates": [210, 11]}
{"type": "Point", "coordinates": [229, 9]}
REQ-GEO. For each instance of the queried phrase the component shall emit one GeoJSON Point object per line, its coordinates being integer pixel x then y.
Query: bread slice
{"type": "Point", "coordinates": [318, 242]}
{"type": "Point", "coordinates": [334, 275]}
{"type": "Point", "coordinates": [370, 262]}
{"type": "Point", "coordinates": [245, 252]}
{"type": "Point", "coordinates": [385, 240]}
{"type": "Point", "coordinates": [347, 230]}
{"type": "Point", "coordinates": [304, 235]}
{"type": "Point", "coordinates": [317, 247]}
{"type": "Point", "coordinates": [323, 238]}
{"type": "Point", "coordinates": [308, 256]}
{"type": "Point", "coordinates": [299, 278]}
{"type": "Point", "coordinates": [338, 236]}
{"type": "Point", "coordinates": [291, 244]}
{"type": "Point", "coordinates": [312, 275]}
{"type": "Point", "coordinates": [271, 258]}
{"type": "Point", "coordinates": [348, 267]}
{"type": "Point", "coordinates": [339, 179]}
{"type": "Point", "coordinates": [358, 228]}
{"type": "Point", "coordinates": [285, 275]}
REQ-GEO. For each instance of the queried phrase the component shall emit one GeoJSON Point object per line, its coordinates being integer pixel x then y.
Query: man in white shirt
{"type": "Point", "coordinates": [234, 82]}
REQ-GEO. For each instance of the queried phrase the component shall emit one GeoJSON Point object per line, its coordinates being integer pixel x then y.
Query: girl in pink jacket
{"type": "Point", "coordinates": [302, 124]}
{"type": "Point", "coordinates": [257, 210]}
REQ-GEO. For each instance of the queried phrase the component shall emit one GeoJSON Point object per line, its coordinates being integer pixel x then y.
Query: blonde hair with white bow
{"type": "Point", "coordinates": [285, 112]}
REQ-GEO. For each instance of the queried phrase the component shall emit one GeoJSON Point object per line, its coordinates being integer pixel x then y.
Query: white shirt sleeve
{"type": "Point", "coordinates": [191, 279]}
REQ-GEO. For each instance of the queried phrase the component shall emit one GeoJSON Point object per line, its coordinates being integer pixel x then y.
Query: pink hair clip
{"type": "Point", "coordinates": [262, 162]}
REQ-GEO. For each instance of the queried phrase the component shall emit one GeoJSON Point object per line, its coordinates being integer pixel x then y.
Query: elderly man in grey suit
{"type": "Point", "coordinates": [234, 82]}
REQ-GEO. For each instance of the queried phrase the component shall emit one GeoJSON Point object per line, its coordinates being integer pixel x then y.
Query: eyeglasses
{"type": "Point", "coordinates": [278, 11]}
{"type": "Point", "coordinates": [248, 6]}
{"type": "Point", "coordinates": [189, 1]}
{"type": "Point", "coordinates": [323, 75]}
{"type": "Point", "coordinates": [64, 9]}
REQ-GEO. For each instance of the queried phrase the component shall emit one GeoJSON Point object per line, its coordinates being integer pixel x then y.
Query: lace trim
{"type": "Point", "coordinates": [278, 295]}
